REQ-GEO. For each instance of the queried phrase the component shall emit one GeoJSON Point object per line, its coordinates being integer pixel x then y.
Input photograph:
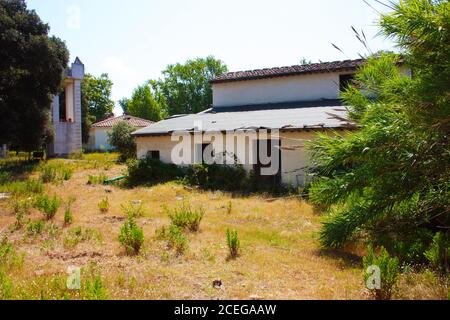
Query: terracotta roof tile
{"type": "Point", "coordinates": [134, 121]}
{"type": "Point", "coordinates": [347, 65]}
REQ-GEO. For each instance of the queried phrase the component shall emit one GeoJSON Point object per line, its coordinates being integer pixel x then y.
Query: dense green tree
{"type": "Point", "coordinates": [186, 86]}
{"type": "Point", "coordinates": [121, 139]}
{"type": "Point", "coordinates": [146, 102]}
{"type": "Point", "coordinates": [97, 97]}
{"type": "Point", "coordinates": [31, 70]}
{"type": "Point", "coordinates": [389, 181]}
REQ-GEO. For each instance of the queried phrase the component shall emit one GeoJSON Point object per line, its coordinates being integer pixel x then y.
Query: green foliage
{"type": "Point", "coordinates": [219, 177]}
{"type": "Point", "coordinates": [48, 206]}
{"type": "Point", "coordinates": [103, 205]}
{"type": "Point", "coordinates": [131, 236]}
{"type": "Point", "coordinates": [68, 215]}
{"type": "Point", "coordinates": [55, 172]}
{"type": "Point", "coordinates": [94, 288]}
{"type": "Point", "coordinates": [177, 240]}
{"type": "Point", "coordinates": [233, 243]}
{"type": "Point", "coordinates": [96, 95]}
{"type": "Point", "coordinates": [31, 70]}
{"type": "Point", "coordinates": [23, 188]}
{"type": "Point", "coordinates": [97, 179]}
{"type": "Point", "coordinates": [121, 139]}
{"type": "Point", "coordinates": [388, 182]}
{"type": "Point", "coordinates": [186, 87]}
{"type": "Point", "coordinates": [21, 208]}
{"type": "Point", "coordinates": [439, 252]}
{"type": "Point", "coordinates": [78, 234]}
{"type": "Point", "coordinates": [35, 228]}
{"type": "Point", "coordinates": [389, 271]}
{"type": "Point", "coordinates": [146, 102]}
{"type": "Point", "coordinates": [149, 171]}
{"type": "Point", "coordinates": [133, 209]}
{"type": "Point", "coordinates": [187, 218]}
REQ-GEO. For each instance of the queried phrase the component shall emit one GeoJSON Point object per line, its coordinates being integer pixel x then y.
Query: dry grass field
{"type": "Point", "coordinates": [280, 255]}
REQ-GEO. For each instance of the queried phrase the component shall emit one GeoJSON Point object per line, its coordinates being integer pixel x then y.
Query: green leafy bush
{"type": "Point", "coordinates": [150, 171]}
{"type": "Point", "coordinates": [23, 188]}
{"type": "Point", "coordinates": [21, 208]}
{"type": "Point", "coordinates": [439, 252]}
{"type": "Point", "coordinates": [187, 218]}
{"type": "Point", "coordinates": [55, 172]}
{"type": "Point", "coordinates": [35, 228]}
{"type": "Point", "coordinates": [103, 205]}
{"type": "Point", "coordinates": [97, 179]}
{"type": "Point", "coordinates": [389, 271]}
{"type": "Point", "coordinates": [48, 206]}
{"type": "Point", "coordinates": [121, 139]}
{"type": "Point", "coordinates": [177, 240]}
{"type": "Point", "coordinates": [68, 215]}
{"type": "Point", "coordinates": [233, 243]}
{"type": "Point", "coordinates": [78, 234]}
{"type": "Point", "coordinates": [131, 236]}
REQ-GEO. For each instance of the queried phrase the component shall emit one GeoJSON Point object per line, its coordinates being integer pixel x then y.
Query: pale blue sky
{"type": "Point", "coordinates": [133, 40]}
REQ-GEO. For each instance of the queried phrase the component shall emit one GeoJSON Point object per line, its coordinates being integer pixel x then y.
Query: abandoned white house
{"type": "Point", "coordinates": [98, 134]}
{"type": "Point", "coordinates": [297, 101]}
{"type": "Point", "coordinates": [66, 114]}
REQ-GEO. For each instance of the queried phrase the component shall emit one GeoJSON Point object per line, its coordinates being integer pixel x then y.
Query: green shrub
{"type": "Point", "coordinates": [150, 171]}
{"type": "Point", "coordinates": [177, 240]}
{"type": "Point", "coordinates": [48, 206]}
{"type": "Point", "coordinates": [103, 205]}
{"type": "Point", "coordinates": [231, 178]}
{"type": "Point", "coordinates": [35, 228]}
{"type": "Point", "coordinates": [21, 208]}
{"type": "Point", "coordinates": [135, 210]}
{"type": "Point", "coordinates": [131, 236]}
{"type": "Point", "coordinates": [53, 172]}
{"type": "Point", "coordinates": [439, 252]}
{"type": "Point", "coordinates": [233, 243]}
{"type": "Point", "coordinates": [68, 215]}
{"type": "Point", "coordinates": [5, 177]}
{"type": "Point", "coordinates": [389, 271]}
{"type": "Point", "coordinates": [79, 234]}
{"type": "Point", "coordinates": [97, 179]}
{"type": "Point", "coordinates": [23, 188]}
{"type": "Point", "coordinates": [94, 289]}
{"type": "Point", "coordinates": [9, 258]}
{"type": "Point", "coordinates": [186, 218]}
{"type": "Point", "coordinates": [48, 174]}
{"type": "Point", "coordinates": [6, 286]}
{"type": "Point", "coordinates": [121, 139]}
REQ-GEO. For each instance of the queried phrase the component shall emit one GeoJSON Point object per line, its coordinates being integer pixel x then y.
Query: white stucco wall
{"type": "Point", "coordinates": [98, 139]}
{"type": "Point", "coordinates": [309, 87]}
{"type": "Point", "coordinates": [294, 156]}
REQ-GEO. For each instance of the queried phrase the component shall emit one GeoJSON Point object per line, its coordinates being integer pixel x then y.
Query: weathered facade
{"type": "Point", "coordinates": [66, 114]}
{"type": "Point", "coordinates": [295, 102]}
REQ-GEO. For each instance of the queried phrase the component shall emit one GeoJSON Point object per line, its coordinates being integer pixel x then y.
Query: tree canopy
{"type": "Point", "coordinates": [96, 93]}
{"type": "Point", "coordinates": [186, 86]}
{"type": "Point", "coordinates": [31, 70]}
{"type": "Point", "coordinates": [146, 102]}
{"type": "Point", "coordinates": [389, 181]}
{"type": "Point", "coordinates": [182, 89]}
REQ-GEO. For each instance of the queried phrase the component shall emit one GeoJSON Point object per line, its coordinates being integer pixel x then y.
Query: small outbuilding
{"type": "Point", "coordinates": [98, 134]}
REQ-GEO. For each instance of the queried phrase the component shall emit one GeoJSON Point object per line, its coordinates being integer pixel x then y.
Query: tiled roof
{"type": "Point", "coordinates": [134, 121]}
{"type": "Point", "coordinates": [347, 65]}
